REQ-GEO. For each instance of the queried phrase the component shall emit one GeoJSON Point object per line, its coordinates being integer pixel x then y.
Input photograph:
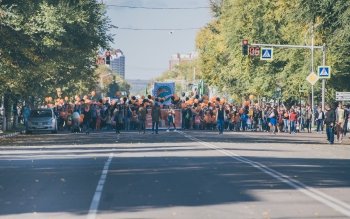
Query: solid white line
{"type": "Point", "coordinates": [330, 201]}
{"type": "Point", "coordinates": [97, 196]}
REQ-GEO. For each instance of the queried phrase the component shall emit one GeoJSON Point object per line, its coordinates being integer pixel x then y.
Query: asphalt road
{"type": "Point", "coordinates": [174, 175]}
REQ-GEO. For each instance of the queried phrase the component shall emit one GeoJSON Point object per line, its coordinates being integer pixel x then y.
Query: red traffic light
{"type": "Point", "coordinates": [245, 42]}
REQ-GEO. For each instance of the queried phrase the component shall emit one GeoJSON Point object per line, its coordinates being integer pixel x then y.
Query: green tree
{"type": "Point", "coordinates": [275, 22]}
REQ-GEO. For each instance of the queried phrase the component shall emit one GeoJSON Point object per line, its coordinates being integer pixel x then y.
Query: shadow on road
{"type": "Point", "coordinates": [138, 183]}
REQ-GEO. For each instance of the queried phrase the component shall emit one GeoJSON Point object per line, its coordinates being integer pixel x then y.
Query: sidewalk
{"type": "Point", "coordinates": [8, 134]}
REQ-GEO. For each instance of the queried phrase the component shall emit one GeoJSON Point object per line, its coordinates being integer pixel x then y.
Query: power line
{"type": "Point", "coordinates": [158, 8]}
{"type": "Point", "coordinates": [157, 29]}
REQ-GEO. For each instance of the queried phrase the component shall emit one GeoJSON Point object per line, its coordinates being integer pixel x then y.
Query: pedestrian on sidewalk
{"type": "Point", "coordinates": [156, 116]}
{"type": "Point", "coordinates": [319, 115]}
{"type": "Point", "coordinates": [220, 118]}
{"type": "Point", "coordinates": [308, 117]}
{"type": "Point", "coordinates": [293, 118]}
{"type": "Point", "coordinates": [273, 119]}
{"type": "Point", "coordinates": [340, 121]}
{"type": "Point", "coordinates": [171, 118]}
{"type": "Point", "coordinates": [87, 120]}
{"type": "Point", "coordinates": [330, 121]}
{"type": "Point", "coordinates": [347, 117]}
{"type": "Point", "coordinates": [142, 118]}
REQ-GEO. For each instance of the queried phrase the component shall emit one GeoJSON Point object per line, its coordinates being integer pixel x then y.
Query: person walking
{"type": "Point", "coordinates": [156, 115]}
{"type": "Point", "coordinates": [293, 118]}
{"type": "Point", "coordinates": [188, 117]}
{"type": "Point", "coordinates": [142, 118]}
{"type": "Point", "coordinates": [273, 120]}
{"type": "Point", "coordinates": [308, 117]}
{"type": "Point", "coordinates": [330, 121]}
{"type": "Point", "coordinates": [285, 120]}
{"type": "Point", "coordinates": [319, 120]}
{"type": "Point", "coordinates": [220, 118]}
{"type": "Point", "coordinates": [171, 119]}
{"type": "Point", "coordinates": [347, 117]}
{"type": "Point", "coordinates": [87, 120]}
{"type": "Point", "coordinates": [340, 121]}
{"type": "Point", "coordinates": [118, 117]}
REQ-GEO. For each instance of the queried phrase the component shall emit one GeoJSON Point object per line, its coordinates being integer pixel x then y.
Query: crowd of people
{"type": "Point", "coordinates": [197, 113]}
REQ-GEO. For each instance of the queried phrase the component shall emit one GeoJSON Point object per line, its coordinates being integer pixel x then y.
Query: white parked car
{"type": "Point", "coordinates": [42, 120]}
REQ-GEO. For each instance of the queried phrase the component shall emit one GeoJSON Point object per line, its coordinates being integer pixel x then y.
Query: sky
{"type": "Point", "coordinates": [147, 53]}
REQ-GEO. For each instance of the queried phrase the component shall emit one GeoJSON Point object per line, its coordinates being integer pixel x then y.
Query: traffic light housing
{"type": "Point", "coordinates": [108, 57]}
{"type": "Point", "coordinates": [245, 47]}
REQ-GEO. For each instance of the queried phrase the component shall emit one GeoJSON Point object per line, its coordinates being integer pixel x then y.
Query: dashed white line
{"type": "Point", "coordinates": [99, 189]}
{"type": "Point", "coordinates": [330, 201]}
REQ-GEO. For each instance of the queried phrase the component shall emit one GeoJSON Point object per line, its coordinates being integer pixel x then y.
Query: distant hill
{"type": "Point", "coordinates": [138, 87]}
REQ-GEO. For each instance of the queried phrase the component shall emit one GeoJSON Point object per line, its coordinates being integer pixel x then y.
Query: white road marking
{"type": "Point", "coordinates": [99, 189]}
{"type": "Point", "coordinates": [330, 201]}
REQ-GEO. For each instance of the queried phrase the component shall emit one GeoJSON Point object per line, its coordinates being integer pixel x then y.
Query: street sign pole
{"type": "Point", "coordinates": [312, 70]}
{"type": "Point", "coordinates": [323, 80]}
{"type": "Point", "coordinates": [312, 47]}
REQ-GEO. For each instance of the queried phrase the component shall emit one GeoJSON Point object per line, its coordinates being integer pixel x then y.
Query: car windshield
{"type": "Point", "coordinates": [41, 113]}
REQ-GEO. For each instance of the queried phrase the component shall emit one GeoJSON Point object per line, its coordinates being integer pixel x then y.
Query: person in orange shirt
{"type": "Point", "coordinates": [207, 120]}
{"type": "Point", "coordinates": [293, 118]}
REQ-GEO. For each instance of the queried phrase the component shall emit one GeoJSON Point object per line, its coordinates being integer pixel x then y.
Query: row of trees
{"type": "Point", "coordinates": [47, 44]}
{"type": "Point", "coordinates": [275, 22]}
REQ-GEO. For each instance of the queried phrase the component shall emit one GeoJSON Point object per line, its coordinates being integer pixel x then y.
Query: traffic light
{"type": "Point", "coordinates": [245, 47]}
{"type": "Point", "coordinates": [108, 57]}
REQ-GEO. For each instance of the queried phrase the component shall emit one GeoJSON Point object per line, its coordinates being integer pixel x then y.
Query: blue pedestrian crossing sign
{"type": "Point", "coordinates": [324, 72]}
{"type": "Point", "coordinates": [266, 54]}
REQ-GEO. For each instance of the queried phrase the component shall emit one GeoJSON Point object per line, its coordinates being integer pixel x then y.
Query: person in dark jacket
{"type": "Point", "coordinates": [142, 118]}
{"type": "Point", "coordinates": [347, 115]}
{"type": "Point", "coordinates": [319, 115]}
{"type": "Point", "coordinates": [87, 119]}
{"type": "Point", "coordinates": [156, 116]}
{"type": "Point", "coordinates": [330, 121]}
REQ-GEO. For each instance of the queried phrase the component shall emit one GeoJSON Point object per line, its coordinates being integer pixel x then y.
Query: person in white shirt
{"type": "Point", "coordinates": [340, 121]}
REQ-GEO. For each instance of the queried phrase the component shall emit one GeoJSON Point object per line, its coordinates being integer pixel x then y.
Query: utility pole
{"type": "Point", "coordinates": [323, 80]}
{"type": "Point", "coordinates": [4, 122]}
{"type": "Point", "coordinates": [312, 70]}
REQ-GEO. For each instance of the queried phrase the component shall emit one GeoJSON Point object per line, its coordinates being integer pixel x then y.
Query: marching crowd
{"type": "Point", "coordinates": [196, 113]}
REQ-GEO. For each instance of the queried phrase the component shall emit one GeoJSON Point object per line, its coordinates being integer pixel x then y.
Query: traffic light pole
{"type": "Point", "coordinates": [312, 47]}
{"type": "Point", "coordinates": [286, 46]}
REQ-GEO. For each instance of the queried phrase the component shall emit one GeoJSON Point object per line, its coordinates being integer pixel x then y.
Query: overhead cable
{"type": "Point", "coordinates": [158, 8]}
{"type": "Point", "coordinates": [157, 29]}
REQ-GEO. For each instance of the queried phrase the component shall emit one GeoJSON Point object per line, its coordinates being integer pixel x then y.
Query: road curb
{"type": "Point", "coordinates": [9, 135]}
